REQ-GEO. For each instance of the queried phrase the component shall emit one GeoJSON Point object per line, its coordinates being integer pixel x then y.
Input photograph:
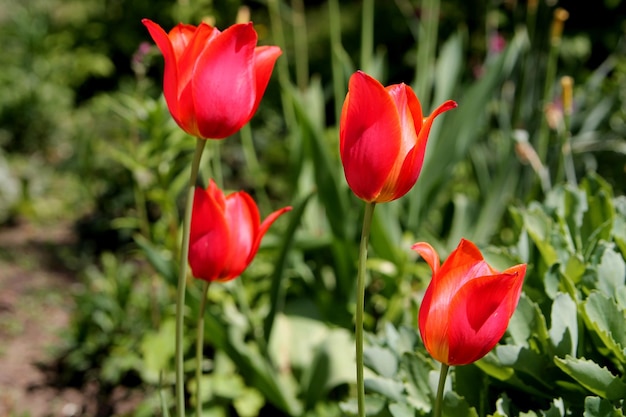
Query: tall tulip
{"type": "Point", "coordinates": [383, 137]}
{"type": "Point", "coordinates": [213, 81]}
{"type": "Point", "coordinates": [226, 232]}
{"type": "Point", "coordinates": [467, 305]}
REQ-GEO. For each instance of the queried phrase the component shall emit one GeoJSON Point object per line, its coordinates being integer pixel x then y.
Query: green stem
{"type": "Point", "coordinates": [182, 277]}
{"type": "Point", "coordinates": [360, 305]}
{"type": "Point", "coordinates": [199, 347]}
{"type": "Point", "coordinates": [367, 35]}
{"type": "Point", "coordinates": [442, 383]}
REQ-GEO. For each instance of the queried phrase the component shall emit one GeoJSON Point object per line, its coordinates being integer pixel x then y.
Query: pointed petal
{"type": "Point", "coordinates": [370, 136]}
{"type": "Point", "coordinates": [224, 84]}
{"type": "Point", "coordinates": [242, 216]}
{"type": "Point", "coordinates": [414, 158]}
{"type": "Point", "coordinates": [209, 234]}
{"type": "Point", "coordinates": [170, 72]}
{"type": "Point", "coordinates": [479, 315]}
{"type": "Point", "coordinates": [264, 59]}
{"type": "Point", "coordinates": [264, 227]}
{"type": "Point", "coordinates": [429, 254]}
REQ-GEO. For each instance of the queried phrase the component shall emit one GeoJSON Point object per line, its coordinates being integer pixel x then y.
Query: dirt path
{"type": "Point", "coordinates": [35, 303]}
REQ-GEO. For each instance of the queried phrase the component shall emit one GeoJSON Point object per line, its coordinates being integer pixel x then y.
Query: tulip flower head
{"type": "Point", "coordinates": [383, 137]}
{"type": "Point", "coordinates": [213, 81]}
{"type": "Point", "coordinates": [467, 305]}
{"type": "Point", "coordinates": [225, 234]}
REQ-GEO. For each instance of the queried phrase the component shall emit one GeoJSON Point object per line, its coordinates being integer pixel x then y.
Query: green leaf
{"type": "Point", "coordinates": [590, 375]}
{"type": "Point", "coordinates": [157, 349]}
{"type": "Point", "coordinates": [608, 321]}
{"type": "Point", "coordinates": [387, 387]}
{"type": "Point", "coordinates": [415, 369]}
{"type": "Point", "coordinates": [564, 325]}
{"type": "Point", "coordinates": [611, 272]}
{"type": "Point", "coordinates": [600, 407]}
{"type": "Point", "coordinates": [401, 410]}
{"type": "Point", "coordinates": [528, 323]}
{"type": "Point", "coordinates": [456, 406]}
{"type": "Point", "coordinates": [380, 360]}
{"type": "Point", "coordinates": [539, 226]}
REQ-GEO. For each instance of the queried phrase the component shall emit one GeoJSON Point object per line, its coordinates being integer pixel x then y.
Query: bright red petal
{"type": "Point", "coordinates": [242, 216]}
{"type": "Point", "coordinates": [429, 254]}
{"type": "Point", "coordinates": [264, 59]}
{"type": "Point", "coordinates": [370, 136]}
{"type": "Point", "coordinates": [224, 84]}
{"type": "Point", "coordinates": [209, 234]}
{"type": "Point", "coordinates": [170, 72]}
{"type": "Point", "coordinates": [479, 315]}
{"type": "Point", "coordinates": [263, 228]}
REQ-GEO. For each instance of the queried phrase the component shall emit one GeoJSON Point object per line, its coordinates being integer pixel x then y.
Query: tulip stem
{"type": "Point", "coordinates": [360, 305]}
{"type": "Point", "coordinates": [182, 277]}
{"type": "Point", "coordinates": [442, 383]}
{"type": "Point", "coordinates": [200, 346]}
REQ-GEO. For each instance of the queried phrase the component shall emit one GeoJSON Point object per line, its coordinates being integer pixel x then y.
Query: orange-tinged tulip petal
{"type": "Point", "coordinates": [467, 305]}
{"type": "Point", "coordinates": [383, 138]}
{"type": "Point", "coordinates": [226, 233]}
{"type": "Point", "coordinates": [213, 81]}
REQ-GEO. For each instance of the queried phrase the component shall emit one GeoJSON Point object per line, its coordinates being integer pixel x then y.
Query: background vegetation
{"type": "Point", "coordinates": [87, 140]}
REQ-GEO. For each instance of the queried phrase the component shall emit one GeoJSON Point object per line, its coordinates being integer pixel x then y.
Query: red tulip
{"type": "Point", "coordinates": [213, 80]}
{"type": "Point", "coordinates": [383, 137]}
{"type": "Point", "coordinates": [225, 234]}
{"type": "Point", "coordinates": [467, 305]}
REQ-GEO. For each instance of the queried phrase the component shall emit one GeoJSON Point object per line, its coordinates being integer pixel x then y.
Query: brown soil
{"type": "Point", "coordinates": [35, 306]}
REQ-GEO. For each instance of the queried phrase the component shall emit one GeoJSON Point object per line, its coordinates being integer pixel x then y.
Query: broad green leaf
{"type": "Point", "coordinates": [604, 317]}
{"type": "Point", "coordinates": [415, 369]}
{"type": "Point", "coordinates": [456, 406]}
{"type": "Point", "coordinates": [611, 272]}
{"type": "Point", "coordinates": [401, 410]}
{"type": "Point", "coordinates": [564, 325]}
{"type": "Point", "coordinates": [249, 403]}
{"type": "Point", "coordinates": [522, 360]}
{"type": "Point", "coordinates": [600, 407]}
{"type": "Point", "coordinates": [387, 387]}
{"type": "Point", "coordinates": [157, 349]}
{"type": "Point", "coordinates": [590, 375]}
{"type": "Point", "coordinates": [527, 323]}
{"type": "Point", "coordinates": [380, 360]}
{"type": "Point", "coordinates": [333, 365]}
{"type": "Point", "coordinates": [539, 227]}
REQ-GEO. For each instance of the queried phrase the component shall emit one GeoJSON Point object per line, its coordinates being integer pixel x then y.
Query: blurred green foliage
{"type": "Point", "coordinates": [87, 138]}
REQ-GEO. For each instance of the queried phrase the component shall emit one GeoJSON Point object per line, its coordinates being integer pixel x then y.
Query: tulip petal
{"type": "Point", "coordinates": [263, 228]}
{"type": "Point", "coordinates": [429, 254]}
{"type": "Point", "coordinates": [264, 59]}
{"type": "Point", "coordinates": [370, 136]}
{"type": "Point", "coordinates": [411, 167]}
{"type": "Point", "coordinates": [243, 217]}
{"type": "Point", "coordinates": [170, 71]}
{"type": "Point", "coordinates": [209, 234]}
{"type": "Point", "coordinates": [480, 313]}
{"type": "Point", "coordinates": [224, 84]}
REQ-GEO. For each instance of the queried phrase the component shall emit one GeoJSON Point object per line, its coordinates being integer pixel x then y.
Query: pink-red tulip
{"type": "Point", "coordinates": [467, 305]}
{"type": "Point", "coordinates": [213, 81]}
{"type": "Point", "coordinates": [383, 137]}
{"type": "Point", "coordinates": [225, 234]}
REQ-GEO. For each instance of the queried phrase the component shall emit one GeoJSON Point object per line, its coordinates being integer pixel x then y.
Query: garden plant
{"type": "Point", "coordinates": [324, 209]}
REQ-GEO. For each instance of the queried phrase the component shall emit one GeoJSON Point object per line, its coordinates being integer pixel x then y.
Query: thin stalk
{"type": "Point", "coordinates": [367, 35]}
{"type": "Point", "coordinates": [199, 347]}
{"type": "Point", "coordinates": [567, 84]}
{"type": "Point", "coordinates": [360, 305]}
{"type": "Point", "coordinates": [182, 280]}
{"type": "Point", "coordinates": [442, 383]}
